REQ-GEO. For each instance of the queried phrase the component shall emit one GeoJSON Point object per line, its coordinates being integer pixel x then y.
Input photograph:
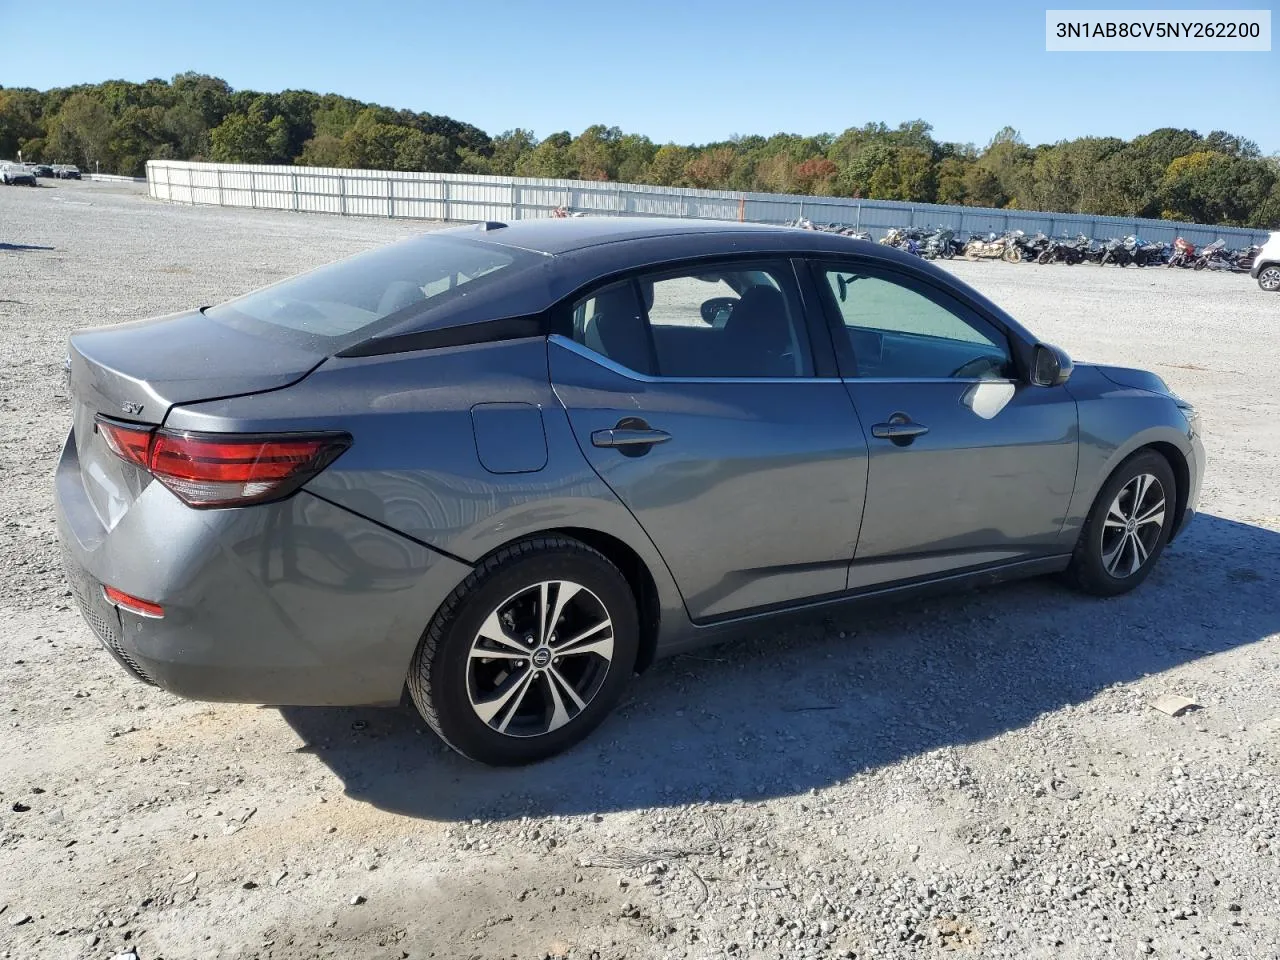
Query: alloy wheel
{"type": "Point", "coordinates": [539, 658]}
{"type": "Point", "coordinates": [1132, 526]}
{"type": "Point", "coordinates": [1269, 278]}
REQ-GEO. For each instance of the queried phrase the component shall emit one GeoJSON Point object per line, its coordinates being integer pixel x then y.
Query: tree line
{"type": "Point", "coordinates": [1169, 173]}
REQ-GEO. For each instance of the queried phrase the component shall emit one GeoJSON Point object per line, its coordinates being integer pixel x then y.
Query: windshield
{"type": "Point", "coordinates": [345, 302]}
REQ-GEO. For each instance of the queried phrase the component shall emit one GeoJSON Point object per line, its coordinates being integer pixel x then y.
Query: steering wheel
{"type": "Point", "coordinates": [975, 368]}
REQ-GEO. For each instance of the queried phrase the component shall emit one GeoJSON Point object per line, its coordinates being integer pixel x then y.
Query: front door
{"type": "Point", "coordinates": [969, 465]}
{"type": "Point", "coordinates": [693, 395]}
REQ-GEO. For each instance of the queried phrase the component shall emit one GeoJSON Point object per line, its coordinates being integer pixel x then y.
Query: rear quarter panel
{"type": "Point", "coordinates": [415, 465]}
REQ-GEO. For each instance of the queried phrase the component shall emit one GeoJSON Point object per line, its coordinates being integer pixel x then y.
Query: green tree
{"type": "Point", "coordinates": [552, 158]}
{"type": "Point", "coordinates": [19, 119]}
{"type": "Point", "coordinates": [244, 138]}
{"type": "Point", "coordinates": [593, 153]}
{"type": "Point", "coordinates": [667, 167]}
{"type": "Point", "coordinates": [81, 131]}
{"type": "Point", "coordinates": [951, 180]}
{"type": "Point", "coordinates": [322, 150]}
{"type": "Point", "coordinates": [509, 148]}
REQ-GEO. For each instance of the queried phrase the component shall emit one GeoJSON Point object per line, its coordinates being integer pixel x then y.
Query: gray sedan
{"type": "Point", "coordinates": [505, 467]}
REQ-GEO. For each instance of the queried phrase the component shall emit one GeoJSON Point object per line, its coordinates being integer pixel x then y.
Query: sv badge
{"type": "Point", "coordinates": [131, 408]}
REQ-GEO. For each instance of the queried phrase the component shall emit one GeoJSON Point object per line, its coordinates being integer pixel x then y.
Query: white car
{"type": "Point", "coordinates": [11, 173]}
{"type": "Point", "coordinates": [1266, 265]}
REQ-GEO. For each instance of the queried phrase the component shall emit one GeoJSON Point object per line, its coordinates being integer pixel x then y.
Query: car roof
{"type": "Point", "coordinates": [555, 235]}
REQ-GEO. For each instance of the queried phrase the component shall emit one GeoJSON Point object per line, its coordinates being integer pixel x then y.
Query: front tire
{"type": "Point", "coordinates": [528, 654]}
{"type": "Point", "coordinates": [1269, 277]}
{"type": "Point", "coordinates": [1127, 528]}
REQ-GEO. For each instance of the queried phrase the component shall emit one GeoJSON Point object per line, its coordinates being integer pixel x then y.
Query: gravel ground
{"type": "Point", "coordinates": [980, 775]}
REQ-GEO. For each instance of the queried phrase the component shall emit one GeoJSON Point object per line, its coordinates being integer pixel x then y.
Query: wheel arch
{"type": "Point", "coordinates": [654, 605]}
{"type": "Point", "coordinates": [1172, 455]}
{"type": "Point", "coordinates": [1181, 478]}
{"type": "Point", "coordinates": [638, 576]}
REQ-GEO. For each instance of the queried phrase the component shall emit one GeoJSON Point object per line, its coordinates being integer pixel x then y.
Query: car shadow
{"type": "Point", "coordinates": [21, 247]}
{"type": "Point", "coordinates": [780, 713]}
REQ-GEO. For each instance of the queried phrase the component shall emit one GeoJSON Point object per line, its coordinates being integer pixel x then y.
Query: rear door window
{"type": "Point", "coordinates": [740, 321]}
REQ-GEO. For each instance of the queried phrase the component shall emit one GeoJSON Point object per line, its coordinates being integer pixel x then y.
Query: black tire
{"type": "Point", "coordinates": [439, 677]}
{"type": "Point", "coordinates": [1269, 278]}
{"type": "Point", "coordinates": [1088, 570]}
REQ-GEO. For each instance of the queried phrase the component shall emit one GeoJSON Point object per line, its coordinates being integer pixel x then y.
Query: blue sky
{"type": "Point", "coordinates": [690, 71]}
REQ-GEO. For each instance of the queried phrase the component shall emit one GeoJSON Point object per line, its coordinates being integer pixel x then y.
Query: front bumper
{"type": "Point", "coordinates": [1258, 265]}
{"type": "Point", "coordinates": [1195, 472]}
{"type": "Point", "coordinates": [298, 602]}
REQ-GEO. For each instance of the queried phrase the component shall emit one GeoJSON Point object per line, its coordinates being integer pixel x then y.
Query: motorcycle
{"type": "Point", "coordinates": [1184, 253]}
{"type": "Point", "coordinates": [843, 229]}
{"type": "Point", "coordinates": [1117, 251]}
{"type": "Point", "coordinates": [1031, 248]}
{"type": "Point", "coordinates": [1065, 250]}
{"type": "Point", "coordinates": [1244, 257]}
{"type": "Point", "coordinates": [1004, 248]}
{"type": "Point", "coordinates": [939, 244]}
{"type": "Point", "coordinates": [1213, 257]}
{"type": "Point", "coordinates": [1150, 254]}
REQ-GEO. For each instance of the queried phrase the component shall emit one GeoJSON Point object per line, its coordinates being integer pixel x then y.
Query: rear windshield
{"type": "Point", "coordinates": [343, 303]}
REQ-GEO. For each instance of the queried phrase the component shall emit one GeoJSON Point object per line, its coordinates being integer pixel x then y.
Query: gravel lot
{"type": "Point", "coordinates": [973, 776]}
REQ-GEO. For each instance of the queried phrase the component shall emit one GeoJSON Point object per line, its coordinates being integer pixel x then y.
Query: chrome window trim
{"type": "Point", "coordinates": [614, 367]}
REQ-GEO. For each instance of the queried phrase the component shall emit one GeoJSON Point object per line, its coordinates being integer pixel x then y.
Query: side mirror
{"type": "Point", "coordinates": [1050, 366]}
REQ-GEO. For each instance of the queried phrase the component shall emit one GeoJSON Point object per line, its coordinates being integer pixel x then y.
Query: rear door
{"type": "Point", "coordinates": [969, 465]}
{"type": "Point", "coordinates": [696, 396]}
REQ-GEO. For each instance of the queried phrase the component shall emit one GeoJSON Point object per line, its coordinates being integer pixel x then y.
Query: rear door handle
{"type": "Point", "coordinates": [627, 437]}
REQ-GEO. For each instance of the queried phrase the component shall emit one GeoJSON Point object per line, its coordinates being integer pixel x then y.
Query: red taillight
{"type": "Point", "coordinates": [127, 601]}
{"type": "Point", "coordinates": [222, 470]}
{"type": "Point", "coordinates": [128, 442]}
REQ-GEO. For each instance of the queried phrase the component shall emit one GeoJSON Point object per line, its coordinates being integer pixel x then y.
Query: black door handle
{"type": "Point", "coordinates": [628, 437]}
{"type": "Point", "coordinates": [900, 428]}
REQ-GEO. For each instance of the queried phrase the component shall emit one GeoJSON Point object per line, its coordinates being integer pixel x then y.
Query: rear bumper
{"type": "Point", "coordinates": [299, 602]}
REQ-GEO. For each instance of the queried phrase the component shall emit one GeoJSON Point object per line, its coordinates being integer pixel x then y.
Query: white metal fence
{"type": "Point", "coordinates": [469, 197]}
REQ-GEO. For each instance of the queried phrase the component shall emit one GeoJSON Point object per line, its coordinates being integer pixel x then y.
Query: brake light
{"type": "Point", "coordinates": [228, 469]}
{"type": "Point", "coordinates": [127, 601]}
{"type": "Point", "coordinates": [128, 442]}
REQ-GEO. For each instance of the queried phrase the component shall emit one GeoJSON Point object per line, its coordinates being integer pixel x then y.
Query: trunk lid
{"type": "Point", "coordinates": [138, 371]}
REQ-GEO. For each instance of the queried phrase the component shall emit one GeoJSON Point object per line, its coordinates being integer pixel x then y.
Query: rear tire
{"type": "Point", "coordinates": [1127, 528]}
{"type": "Point", "coordinates": [1269, 277]}
{"type": "Point", "coordinates": [537, 692]}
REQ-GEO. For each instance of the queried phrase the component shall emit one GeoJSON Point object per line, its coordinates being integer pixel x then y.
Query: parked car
{"type": "Point", "coordinates": [66, 171]}
{"type": "Point", "coordinates": [508, 466]}
{"type": "Point", "coordinates": [1266, 264]}
{"type": "Point", "coordinates": [42, 170]}
{"type": "Point", "coordinates": [15, 173]}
